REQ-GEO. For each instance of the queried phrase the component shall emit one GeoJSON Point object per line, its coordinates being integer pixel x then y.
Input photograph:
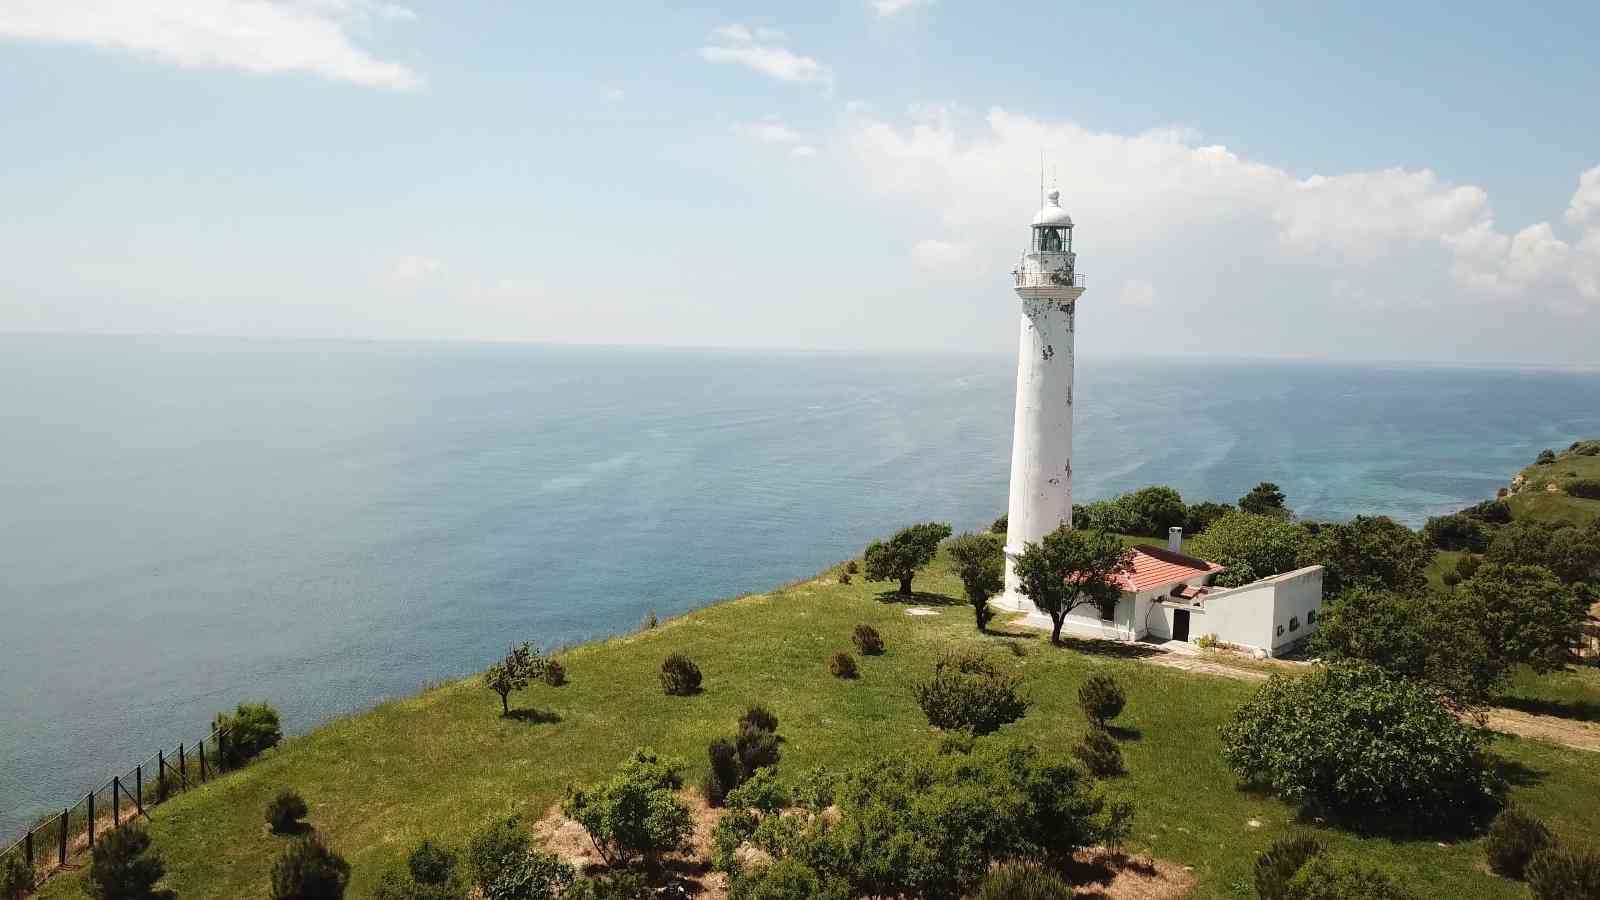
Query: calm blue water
{"type": "Point", "coordinates": [185, 523]}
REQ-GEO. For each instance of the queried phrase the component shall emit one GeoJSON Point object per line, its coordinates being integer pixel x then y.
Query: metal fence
{"type": "Point", "coordinates": [60, 839]}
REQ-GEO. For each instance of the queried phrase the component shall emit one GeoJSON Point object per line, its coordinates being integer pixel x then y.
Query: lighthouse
{"type": "Point", "coordinates": [1049, 285]}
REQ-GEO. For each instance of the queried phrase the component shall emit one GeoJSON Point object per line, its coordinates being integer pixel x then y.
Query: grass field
{"type": "Point", "coordinates": [443, 763]}
{"type": "Point", "coordinates": [1535, 501]}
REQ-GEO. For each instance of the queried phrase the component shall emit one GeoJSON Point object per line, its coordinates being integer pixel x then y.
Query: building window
{"type": "Point", "coordinates": [1280, 631]}
{"type": "Point", "coordinates": [1294, 623]}
{"type": "Point", "coordinates": [1108, 611]}
{"type": "Point", "coordinates": [1311, 617]}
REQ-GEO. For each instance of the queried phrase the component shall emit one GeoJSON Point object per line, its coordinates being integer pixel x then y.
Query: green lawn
{"type": "Point", "coordinates": [443, 763]}
{"type": "Point", "coordinates": [1534, 501]}
{"type": "Point", "coordinates": [1572, 694]}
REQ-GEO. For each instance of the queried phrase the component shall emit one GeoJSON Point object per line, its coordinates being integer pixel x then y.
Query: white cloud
{"type": "Point", "coordinates": [251, 35]}
{"type": "Point", "coordinates": [804, 151]}
{"type": "Point", "coordinates": [415, 268]}
{"type": "Point", "coordinates": [769, 132]}
{"type": "Point", "coordinates": [886, 8]}
{"type": "Point", "coordinates": [758, 50]}
{"type": "Point", "coordinates": [1586, 202]}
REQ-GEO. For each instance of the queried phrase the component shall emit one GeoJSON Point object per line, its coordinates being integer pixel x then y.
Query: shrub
{"type": "Point", "coordinates": [758, 716]}
{"type": "Point", "coordinates": [1467, 566]}
{"type": "Point", "coordinates": [844, 577]}
{"type": "Point", "coordinates": [1513, 840]}
{"type": "Point", "coordinates": [309, 870]}
{"type": "Point", "coordinates": [532, 875]}
{"type": "Point", "coordinates": [760, 792]}
{"type": "Point", "coordinates": [867, 640]}
{"type": "Point", "coordinates": [1557, 873]}
{"type": "Point", "coordinates": [122, 867]}
{"type": "Point", "coordinates": [1101, 698]}
{"type": "Point", "coordinates": [494, 850]}
{"type": "Point", "coordinates": [16, 877]}
{"type": "Point", "coordinates": [1324, 879]}
{"type": "Point", "coordinates": [251, 729]}
{"type": "Point", "coordinates": [1411, 760]}
{"type": "Point", "coordinates": [757, 748]}
{"type": "Point", "coordinates": [430, 874]}
{"type": "Point", "coordinates": [969, 691]}
{"type": "Point", "coordinates": [680, 677]}
{"type": "Point", "coordinates": [843, 665]}
{"type": "Point", "coordinates": [1202, 514]}
{"type": "Point", "coordinates": [633, 814]}
{"type": "Point", "coordinates": [1099, 753]}
{"type": "Point", "coordinates": [430, 863]}
{"type": "Point", "coordinates": [555, 674]}
{"type": "Point", "coordinates": [1000, 525]}
{"type": "Point", "coordinates": [852, 567]}
{"type": "Point", "coordinates": [787, 879]}
{"type": "Point", "coordinates": [1494, 512]}
{"type": "Point", "coordinates": [285, 811]}
{"type": "Point", "coordinates": [1206, 641]}
{"type": "Point", "coordinates": [1450, 579]}
{"type": "Point", "coordinates": [1022, 881]}
{"type": "Point", "coordinates": [1458, 531]}
{"type": "Point", "coordinates": [724, 775]}
{"type": "Point", "coordinates": [1545, 457]}
{"type": "Point", "coordinates": [650, 620]}
{"type": "Point", "coordinates": [1587, 488]}
{"type": "Point", "coordinates": [1277, 867]}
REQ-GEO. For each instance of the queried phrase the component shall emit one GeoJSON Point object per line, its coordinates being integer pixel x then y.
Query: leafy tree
{"type": "Point", "coordinates": [308, 869]}
{"type": "Point", "coordinates": [1103, 515]}
{"type": "Point", "coordinates": [1357, 742]}
{"type": "Point", "coordinates": [1322, 878]}
{"type": "Point", "coordinates": [248, 731]}
{"type": "Point", "coordinates": [635, 813]}
{"type": "Point", "coordinates": [495, 850]}
{"type": "Point", "coordinates": [122, 866]}
{"type": "Point", "coordinates": [1070, 568]}
{"type": "Point", "coordinates": [1202, 514]}
{"type": "Point", "coordinates": [787, 879]}
{"type": "Point", "coordinates": [16, 877]}
{"type": "Point", "coordinates": [902, 555]}
{"type": "Point", "coordinates": [1457, 531]}
{"type": "Point", "coordinates": [532, 875]}
{"type": "Point", "coordinates": [1434, 638]}
{"type": "Point", "coordinates": [1250, 546]}
{"type": "Point", "coordinates": [1491, 512]}
{"type": "Point", "coordinates": [1526, 614]}
{"type": "Point", "coordinates": [522, 664]}
{"type": "Point", "coordinates": [1151, 511]}
{"type": "Point", "coordinates": [968, 691]}
{"type": "Point", "coordinates": [1001, 524]}
{"type": "Point", "coordinates": [1278, 866]}
{"type": "Point", "coordinates": [1573, 554]}
{"type": "Point", "coordinates": [1368, 552]}
{"type": "Point", "coordinates": [980, 563]}
{"type": "Point", "coordinates": [1265, 499]}
{"type": "Point", "coordinates": [1545, 457]}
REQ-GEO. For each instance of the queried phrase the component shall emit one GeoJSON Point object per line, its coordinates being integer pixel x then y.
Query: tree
{"type": "Point", "coordinates": [1546, 457]}
{"type": "Point", "coordinates": [902, 555]}
{"type": "Point", "coordinates": [250, 730]}
{"type": "Point", "coordinates": [1202, 514]}
{"type": "Point", "coordinates": [1151, 511]}
{"type": "Point", "coordinates": [980, 563]}
{"type": "Point", "coordinates": [635, 813]}
{"type": "Point", "coordinates": [495, 850]}
{"type": "Point", "coordinates": [122, 867]}
{"type": "Point", "coordinates": [1068, 569]}
{"type": "Point", "coordinates": [1434, 638]}
{"type": "Point", "coordinates": [1369, 552]}
{"type": "Point", "coordinates": [1000, 524]}
{"type": "Point", "coordinates": [1527, 615]}
{"type": "Point", "coordinates": [1352, 740]}
{"type": "Point", "coordinates": [1457, 531]}
{"type": "Point", "coordinates": [1573, 554]}
{"type": "Point", "coordinates": [1265, 499]}
{"type": "Point", "coordinates": [308, 869]}
{"type": "Point", "coordinates": [1250, 546]}
{"type": "Point", "coordinates": [520, 667]}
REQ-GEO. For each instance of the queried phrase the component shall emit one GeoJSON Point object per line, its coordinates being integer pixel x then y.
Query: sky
{"type": "Point", "coordinates": [1408, 182]}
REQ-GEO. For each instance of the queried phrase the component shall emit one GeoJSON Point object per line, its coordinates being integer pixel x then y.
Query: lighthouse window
{"type": "Point", "coordinates": [1050, 239]}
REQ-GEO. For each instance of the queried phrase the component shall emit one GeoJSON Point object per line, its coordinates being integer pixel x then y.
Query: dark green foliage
{"type": "Point", "coordinates": [1101, 698]}
{"type": "Point", "coordinates": [309, 870]}
{"type": "Point", "coordinates": [1251, 546]}
{"type": "Point", "coordinates": [1450, 579]}
{"type": "Point", "coordinates": [1572, 553]}
{"type": "Point", "coordinates": [759, 716]}
{"type": "Point", "coordinates": [1202, 514]}
{"type": "Point", "coordinates": [1493, 512]}
{"type": "Point", "coordinates": [532, 875]}
{"type": "Point", "coordinates": [494, 850]}
{"type": "Point", "coordinates": [635, 813]}
{"type": "Point", "coordinates": [969, 691]}
{"type": "Point", "coordinates": [843, 665]}
{"type": "Point", "coordinates": [1102, 515]}
{"type": "Point", "coordinates": [1457, 531]}
{"type": "Point", "coordinates": [1351, 740]}
{"type": "Point", "coordinates": [761, 792]}
{"type": "Point", "coordinates": [724, 775]}
{"type": "Point", "coordinates": [680, 677]}
{"type": "Point", "coordinates": [1070, 568]}
{"type": "Point", "coordinates": [757, 748]}
{"type": "Point", "coordinates": [1559, 873]}
{"type": "Point", "coordinates": [1545, 457]}
{"type": "Point", "coordinates": [521, 665]}
{"type": "Point", "coordinates": [979, 561]}
{"type": "Point", "coordinates": [899, 558]}
{"type": "Point", "coordinates": [1373, 553]}
{"type": "Point", "coordinates": [430, 874]}
{"type": "Point", "coordinates": [1513, 840]}
{"type": "Point", "coordinates": [1099, 753]}
{"type": "Point", "coordinates": [844, 577]}
{"type": "Point", "coordinates": [867, 640]}
{"type": "Point", "coordinates": [1151, 511]}
{"type": "Point", "coordinates": [251, 729]}
{"type": "Point", "coordinates": [285, 811]}
{"type": "Point", "coordinates": [555, 674]}
{"type": "Point", "coordinates": [1022, 880]}
{"type": "Point", "coordinates": [1322, 878]}
{"type": "Point", "coordinates": [1436, 639]}
{"type": "Point", "coordinates": [1527, 616]}
{"type": "Point", "coordinates": [787, 879]}
{"type": "Point", "coordinates": [1000, 525]}
{"type": "Point", "coordinates": [1277, 867]}
{"type": "Point", "coordinates": [122, 866]}
{"type": "Point", "coordinates": [16, 877]}
{"type": "Point", "coordinates": [1265, 499]}
{"type": "Point", "coordinates": [1467, 566]}
{"type": "Point", "coordinates": [430, 863]}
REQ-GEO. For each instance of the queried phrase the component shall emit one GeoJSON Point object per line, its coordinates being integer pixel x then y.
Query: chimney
{"type": "Point", "coordinates": [1175, 539]}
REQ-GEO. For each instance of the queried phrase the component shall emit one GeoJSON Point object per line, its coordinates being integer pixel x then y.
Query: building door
{"type": "Point", "coordinates": [1180, 624]}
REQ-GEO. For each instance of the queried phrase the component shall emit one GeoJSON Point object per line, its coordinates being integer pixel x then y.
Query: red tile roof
{"type": "Point", "coordinates": [1155, 567]}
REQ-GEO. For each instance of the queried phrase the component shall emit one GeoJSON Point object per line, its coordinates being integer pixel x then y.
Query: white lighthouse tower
{"type": "Point", "coordinates": [1041, 443]}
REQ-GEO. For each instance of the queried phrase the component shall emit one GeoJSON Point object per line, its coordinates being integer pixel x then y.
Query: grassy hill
{"type": "Point", "coordinates": [1540, 489]}
{"type": "Point", "coordinates": [443, 763]}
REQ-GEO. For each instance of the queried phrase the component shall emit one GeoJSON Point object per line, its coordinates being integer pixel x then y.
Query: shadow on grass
{"type": "Point", "coordinates": [1117, 649]}
{"type": "Point", "coordinates": [1517, 774]}
{"type": "Point", "coordinates": [531, 716]}
{"type": "Point", "coordinates": [295, 830]}
{"type": "Point", "coordinates": [1576, 710]}
{"type": "Point", "coordinates": [1125, 732]}
{"type": "Point", "coordinates": [918, 598]}
{"type": "Point", "coordinates": [1100, 869]}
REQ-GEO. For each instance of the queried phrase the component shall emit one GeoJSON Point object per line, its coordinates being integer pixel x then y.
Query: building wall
{"type": "Point", "coordinates": [1250, 616]}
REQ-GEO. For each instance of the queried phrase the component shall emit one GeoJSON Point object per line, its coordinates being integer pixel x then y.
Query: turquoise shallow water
{"type": "Point", "coordinates": [185, 523]}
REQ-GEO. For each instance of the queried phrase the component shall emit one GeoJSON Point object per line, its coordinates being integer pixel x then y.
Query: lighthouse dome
{"type": "Point", "coordinates": [1052, 215]}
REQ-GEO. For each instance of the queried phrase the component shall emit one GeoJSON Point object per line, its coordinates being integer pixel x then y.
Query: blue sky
{"type": "Point", "coordinates": [1278, 180]}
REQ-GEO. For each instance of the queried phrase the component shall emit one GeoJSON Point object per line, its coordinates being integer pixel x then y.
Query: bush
{"type": "Point", "coordinates": [1324, 879]}
{"type": "Point", "coordinates": [759, 716]}
{"type": "Point", "coordinates": [1545, 457]}
{"type": "Point", "coordinates": [532, 875]}
{"type": "Point", "coordinates": [724, 774]}
{"type": "Point", "coordinates": [1587, 488]}
{"type": "Point", "coordinates": [633, 814]}
{"type": "Point", "coordinates": [680, 677]}
{"type": "Point", "coordinates": [430, 874]}
{"type": "Point", "coordinates": [787, 879]}
{"type": "Point", "coordinates": [285, 811]}
{"type": "Point", "coordinates": [495, 850]}
{"type": "Point", "coordinates": [16, 877]}
{"type": "Point", "coordinates": [1561, 874]}
{"type": "Point", "coordinates": [555, 674]}
{"type": "Point", "coordinates": [757, 748]}
{"type": "Point", "coordinates": [1458, 531]}
{"type": "Point", "coordinates": [122, 867]}
{"type": "Point", "coordinates": [251, 729]}
{"type": "Point", "coordinates": [1467, 566]}
{"type": "Point", "coordinates": [1450, 579]}
{"type": "Point", "coordinates": [852, 567]}
{"type": "Point", "coordinates": [1206, 641]}
{"type": "Point", "coordinates": [1513, 840]}
{"type": "Point", "coordinates": [1022, 881]}
{"type": "Point", "coordinates": [867, 640]}
{"type": "Point", "coordinates": [1099, 753]}
{"type": "Point", "coordinates": [1001, 524]}
{"type": "Point", "coordinates": [1494, 512]}
{"type": "Point", "coordinates": [1410, 761]}
{"type": "Point", "coordinates": [967, 691]}
{"type": "Point", "coordinates": [1277, 867]}
{"type": "Point", "coordinates": [309, 870]}
{"type": "Point", "coordinates": [1101, 699]}
{"type": "Point", "coordinates": [843, 665]}
{"type": "Point", "coordinates": [844, 577]}
{"type": "Point", "coordinates": [1202, 514]}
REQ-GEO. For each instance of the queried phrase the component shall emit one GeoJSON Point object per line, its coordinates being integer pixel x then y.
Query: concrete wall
{"type": "Point", "coordinates": [1260, 615]}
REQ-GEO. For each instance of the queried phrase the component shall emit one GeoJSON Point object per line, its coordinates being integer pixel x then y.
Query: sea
{"type": "Point", "coordinates": [187, 523]}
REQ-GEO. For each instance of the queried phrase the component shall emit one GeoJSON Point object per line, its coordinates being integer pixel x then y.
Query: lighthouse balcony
{"type": "Point", "coordinates": [1054, 278]}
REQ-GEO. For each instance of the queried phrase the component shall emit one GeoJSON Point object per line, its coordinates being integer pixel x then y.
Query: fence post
{"type": "Point", "coordinates": [161, 775]}
{"type": "Point", "coordinates": [63, 858]}
{"type": "Point", "coordinates": [183, 769]}
{"type": "Point", "coordinates": [91, 820]}
{"type": "Point", "coordinates": [116, 801]}
{"type": "Point", "coordinates": [201, 747]}
{"type": "Point", "coordinates": [138, 788]}
{"type": "Point", "coordinates": [27, 848]}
